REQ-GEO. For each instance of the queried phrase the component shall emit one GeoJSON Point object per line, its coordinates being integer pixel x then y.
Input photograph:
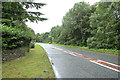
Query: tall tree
{"type": "Point", "coordinates": [76, 22]}
{"type": "Point", "coordinates": [16, 11]}
{"type": "Point", "coordinates": [105, 23]}
{"type": "Point", "coordinates": [46, 37]}
{"type": "Point", "coordinates": [55, 33]}
{"type": "Point", "coordinates": [38, 37]}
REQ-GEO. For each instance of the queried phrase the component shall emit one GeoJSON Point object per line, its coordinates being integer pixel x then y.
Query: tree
{"type": "Point", "coordinates": [14, 15]}
{"type": "Point", "coordinates": [45, 37]}
{"type": "Point", "coordinates": [76, 24]}
{"type": "Point", "coordinates": [104, 23]}
{"type": "Point", "coordinates": [55, 33]}
{"type": "Point", "coordinates": [13, 12]}
{"type": "Point", "coordinates": [38, 37]}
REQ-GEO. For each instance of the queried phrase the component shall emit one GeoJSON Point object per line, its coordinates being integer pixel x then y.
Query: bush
{"type": "Point", "coordinates": [91, 42]}
{"type": "Point", "coordinates": [50, 42]}
{"type": "Point", "coordinates": [32, 44]}
{"type": "Point", "coordinates": [13, 37]}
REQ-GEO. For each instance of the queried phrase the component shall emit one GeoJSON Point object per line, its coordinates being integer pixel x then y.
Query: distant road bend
{"type": "Point", "coordinates": [75, 63]}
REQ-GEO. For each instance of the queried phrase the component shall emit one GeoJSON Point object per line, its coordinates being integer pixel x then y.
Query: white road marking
{"type": "Point", "coordinates": [54, 69]}
{"type": "Point", "coordinates": [104, 66]}
{"type": "Point", "coordinates": [56, 72]}
{"type": "Point", "coordinates": [109, 63]}
{"type": "Point", "coordinates": [73, 55]}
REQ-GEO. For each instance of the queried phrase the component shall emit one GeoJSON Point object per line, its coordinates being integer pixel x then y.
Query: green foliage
{"type": "Point", "coordinates": [32, 44]}
{"type": "Point", "coordinates": [38, 38]}
{"type": "Point", "coordinates": [105, 26]}
{"type": "Point", "coordinates": [33, 5]}
{"type": "Point", "coordinates": [55, 33]}
{"type": "Point", "coordinates": [14, 37]}
{"type": "Point", "coordinates": [49, 42]}
{"type": "Point", "coordinates": [15, 32]}
{"type": "Point", "coordinates": [75, 26]}
{"type": "Point", "coordinates": [96, 26]}
{"type": "Point", "coordinates": [14, 11]}
{"type": "Point", "coordinates": [46, 37]}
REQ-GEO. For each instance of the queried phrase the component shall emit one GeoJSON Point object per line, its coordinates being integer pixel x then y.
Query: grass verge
{"type": "Point", "coordinates": [108, 51]}
{"type": "Point", "coordinates": [30, 66]}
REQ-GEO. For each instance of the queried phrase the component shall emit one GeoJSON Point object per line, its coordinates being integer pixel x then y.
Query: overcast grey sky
{"type": "Point", "coordinates": [54, 11]}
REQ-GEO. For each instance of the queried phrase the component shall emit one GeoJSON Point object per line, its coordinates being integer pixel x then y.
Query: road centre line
{"type": "Point", "coordinates": [70, 53]}
{"type": "Point", "coordinates": [99, 62]}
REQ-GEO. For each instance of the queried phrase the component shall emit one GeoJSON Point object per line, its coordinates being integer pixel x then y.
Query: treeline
{"type": "Point", "coordinates": [15, 33]}
{"type": "Point", "coordinates": [95, 26]}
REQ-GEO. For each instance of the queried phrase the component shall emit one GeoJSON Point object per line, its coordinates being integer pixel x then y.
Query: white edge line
{"type": "Point", "coordinates": [50, 59]}
{"type": "Point", "coordinates": [109, 63]}
{"type": "Point", "coordinates": [73, 54]}
{"type": "Point", "coordinates": [54, 69]}
{"type": "Point", "coordinates": [56, 72]}
{"type": "Point", "coordinates": [105, 66]}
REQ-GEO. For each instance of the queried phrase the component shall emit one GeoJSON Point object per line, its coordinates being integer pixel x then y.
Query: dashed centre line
{"type": "Point", "coordinates": [99, 62]}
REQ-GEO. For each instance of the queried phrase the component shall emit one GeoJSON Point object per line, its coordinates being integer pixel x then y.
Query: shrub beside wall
{"type": "Point", "coordinates": [15, 42]}
{"type": "Point", "coordinates": [32, 44]}
{"type": "Point", "coordinates": [14, 37]}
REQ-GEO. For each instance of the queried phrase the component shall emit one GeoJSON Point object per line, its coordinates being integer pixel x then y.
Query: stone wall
{"type": "Point", "coordinates": [8, 55]}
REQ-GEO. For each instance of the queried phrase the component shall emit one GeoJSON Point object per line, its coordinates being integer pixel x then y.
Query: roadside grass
{"type": "Point", "coordinates": [30, 66]}
{"type": "Point", "coordinates": [108, 51]}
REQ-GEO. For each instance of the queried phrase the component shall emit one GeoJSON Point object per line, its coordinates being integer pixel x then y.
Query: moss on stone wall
{"type": "Point", "coordinates": [8, 55]}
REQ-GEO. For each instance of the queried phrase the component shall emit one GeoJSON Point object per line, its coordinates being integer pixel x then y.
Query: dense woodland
{"type": "Point", "coordinates": [92, 26]}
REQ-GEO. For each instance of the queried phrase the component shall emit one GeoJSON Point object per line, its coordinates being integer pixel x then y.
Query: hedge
{"type": "Point", "coordinates": [13, 37]}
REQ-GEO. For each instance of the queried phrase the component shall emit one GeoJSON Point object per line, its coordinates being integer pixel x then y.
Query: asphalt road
{"type": "Point", "coordinates": [81, 64]}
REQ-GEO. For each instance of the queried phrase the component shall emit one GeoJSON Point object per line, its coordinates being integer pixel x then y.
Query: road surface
{"type": "Point", "coordinates": [75, 63]}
